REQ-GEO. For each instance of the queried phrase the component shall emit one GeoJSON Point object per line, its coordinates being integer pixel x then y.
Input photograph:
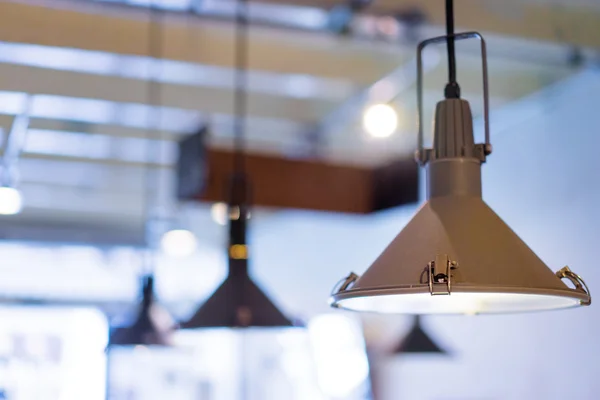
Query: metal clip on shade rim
{"type": "Point", "coordinates": [344, 284]}
{"type": "Point", "coordinates": [347, 283]}
{"type": "Point", "coordinates": [577, 281]}
{"type": "Point", "coordinates": [447, 276]}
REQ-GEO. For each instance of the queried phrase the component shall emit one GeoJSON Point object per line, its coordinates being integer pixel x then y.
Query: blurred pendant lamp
{"type": "Point", "coordinates": [417, 341]}
{"type": "Point", "coordinates": [147, 329]}
{"type": "Point", "coordinates": [456, 256]}
{"type": "Point", "coordinates": [152, 324]}
{"type": "Point", "coordinates": [238, 302]}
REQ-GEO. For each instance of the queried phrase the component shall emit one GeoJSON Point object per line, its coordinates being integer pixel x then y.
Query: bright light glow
{"type": "Point", "coordinates": [178, 243]}
{"type": "Point", "coordinates": [380, 120]}
{"type": "Point", "coordinates": [458, 303]}
{"type": "Point", "coordinates": [339, 352]}
{"type": "Point", "coordinates": [139, 370]}
{"type": "Point", "coordinates": [10, 201]}
{"type": "Point", "coordinates": [62, 354]}
{"type": "Point", "coordinates": [218, 211]}
{"type": "Point", "coordinates": [221, 214]}
{"type": "Point", "coordinates": [227, 357]}
{"type": "Point", "coordinates": [85, 360]}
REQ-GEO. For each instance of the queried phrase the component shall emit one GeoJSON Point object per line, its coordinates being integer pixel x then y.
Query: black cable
{"type": "Point", "coordinates": [450, 41]}
{"type": "Point", "coordinates": [452, 88]}
{"type": "Point", "coordinates": [241, 78]}
{"type": "Point", "coordinates": [153, 147]}
{"type": "Point", "coordinates": [239, 185]}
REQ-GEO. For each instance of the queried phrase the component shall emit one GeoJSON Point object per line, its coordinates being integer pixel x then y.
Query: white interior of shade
{"type": "Point", "coordinates": [457, 303]}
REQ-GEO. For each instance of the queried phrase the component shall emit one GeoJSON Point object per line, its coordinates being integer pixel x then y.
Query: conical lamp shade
{"type": "Point", "coordinates": [417, 341]}
{"type": "Point", "coordinates": [146, 330]}
{"type": "Point", "coordinates": [456, 256]}
{"type": "Point", "coordinates": [237, 303]}
{"type": "Point", "coordinates": [495, 270]}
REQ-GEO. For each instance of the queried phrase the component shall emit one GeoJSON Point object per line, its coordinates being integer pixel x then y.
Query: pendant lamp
{"type": "Point", "coordinates": [147, 329]}
{"type": "Point", "coordinates": [238, 302]}
{"type": "Point", "coordinates": [417, 341]}
{"type": "Point", "coordinates": [456, 256]}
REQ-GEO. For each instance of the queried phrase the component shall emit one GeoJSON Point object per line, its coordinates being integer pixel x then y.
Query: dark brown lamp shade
{"type": "Point", "coordinates": [417, 341]}
{"type": "Point", "coordinates": [145, 331]}
{"type": "Point", "coordinates": [238, 303]}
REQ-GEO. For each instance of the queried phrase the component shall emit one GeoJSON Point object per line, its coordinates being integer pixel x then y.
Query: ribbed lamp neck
{"type": "Point", "coordinates": [454, 166]}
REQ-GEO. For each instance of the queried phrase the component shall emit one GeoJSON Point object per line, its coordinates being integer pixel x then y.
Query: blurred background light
{"type": "Point", "coordinates": [340, 356]}
{"type": "Point", "coordinates": [178, 243]}
{"type": "Point", "coordinates": [218, 212]}
{"type": "Point", "coordinates": [11, 201]}
{"type": "Point", "coordinates": [380, 120]}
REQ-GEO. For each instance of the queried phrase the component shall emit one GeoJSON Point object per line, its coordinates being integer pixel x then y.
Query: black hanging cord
{"type": "Point", "coordinates": [239, 185]}
{"type": "Point", "coordinates": [452, 90]}
{"type": "Point", "coordinates": [153, 147]}
{"type": "Point", "coordinates": [241, 81]}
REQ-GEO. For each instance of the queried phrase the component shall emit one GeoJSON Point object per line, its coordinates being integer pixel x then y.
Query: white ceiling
{"type": "Point", "coordinates": [91, 132]}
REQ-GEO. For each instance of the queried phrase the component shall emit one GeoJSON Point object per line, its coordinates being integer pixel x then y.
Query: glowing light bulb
{"type": "Point", "coordinates": [11, 201]}
{"type": "Point", "coordinates": [380, 120]}
{"type": "Point", "coordinates": [178, 243]}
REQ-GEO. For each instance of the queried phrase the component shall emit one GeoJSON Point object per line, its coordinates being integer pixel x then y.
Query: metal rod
{"type": "Point", "coordinates": [420, 141]}
{"type": "Point", "coordinates": [486, 94]}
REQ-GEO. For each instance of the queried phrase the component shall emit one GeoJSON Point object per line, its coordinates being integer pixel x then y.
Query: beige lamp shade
{"type": "Point", "coordinates": [457, 256]}
{"type": "Point", "coordinates": [481, 264]}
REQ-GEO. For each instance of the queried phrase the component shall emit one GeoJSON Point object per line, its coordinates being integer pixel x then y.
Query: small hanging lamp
{"type": "Point", "coordinates": [417, 341]}
{"type": "Point", "coordinates": [238, 302]}
{"type": "Point", "coordinates": [456, 255]}
{"type": "Point", "coordinates": [147, 329]}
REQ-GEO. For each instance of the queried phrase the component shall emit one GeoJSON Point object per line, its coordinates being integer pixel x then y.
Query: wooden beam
{"type": "Point", "coordinates": [203, 174]}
